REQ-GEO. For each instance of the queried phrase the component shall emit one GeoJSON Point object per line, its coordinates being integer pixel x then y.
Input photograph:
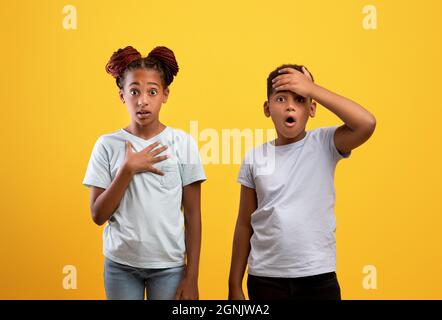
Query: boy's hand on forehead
{"type": "Point", "coordinates": [291, 79]}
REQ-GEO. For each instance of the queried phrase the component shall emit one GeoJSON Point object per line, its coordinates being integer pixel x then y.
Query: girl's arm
{"type": "Point", "coordinates": [241, 242]}
{"type": "Point", "coordinates": [188, 288]}
{"type": "Point", "coordinates": [104, 202]}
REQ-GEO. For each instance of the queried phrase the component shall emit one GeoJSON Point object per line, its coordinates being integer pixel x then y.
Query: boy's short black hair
{"type": "Point", "coordinates": [275, 73]}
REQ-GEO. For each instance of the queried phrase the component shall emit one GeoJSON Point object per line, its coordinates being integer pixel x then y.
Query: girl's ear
{"type": "Point", "coordinates": [166, 95]}
{"type": "Point", "coordinates": [266, 109]}
{"type": "Point", "coordinates": [120, 93]}
{"type": "Point", "coordinates": [312, 110]}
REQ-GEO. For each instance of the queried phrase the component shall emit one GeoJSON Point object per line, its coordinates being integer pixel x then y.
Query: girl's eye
{"type": "Point", "coordinates": [133, 92]}
{"type": "Point", "coordinates": [153, 92]}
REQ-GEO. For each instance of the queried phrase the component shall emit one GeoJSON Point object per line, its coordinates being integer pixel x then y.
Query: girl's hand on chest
{"type": "Point", "coordinates": [144, 160]}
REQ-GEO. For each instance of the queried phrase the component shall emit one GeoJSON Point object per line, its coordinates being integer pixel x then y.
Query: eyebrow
{"type": "Point", "coordinates": [137, 83]}
{"type": "Point", "coordinates": [287, 93]}
{"type": "Point", "coordinates": [281, 93]}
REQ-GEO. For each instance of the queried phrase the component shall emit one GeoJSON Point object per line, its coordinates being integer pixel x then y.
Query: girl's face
{"type": "Point", "coordinates": [143, 94]}
{"type": "Point", "coordinates": [289, 112]}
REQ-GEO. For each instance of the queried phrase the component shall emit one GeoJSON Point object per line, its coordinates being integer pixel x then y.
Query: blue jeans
{"type": "Point", "coordinates": [124, 282]}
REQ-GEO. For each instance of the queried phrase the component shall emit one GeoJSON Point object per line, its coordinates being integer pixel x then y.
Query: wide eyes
{"type": "Point", "coordinates": [298, 99]}
{"type": "Point", "coordinates": [134, 92]}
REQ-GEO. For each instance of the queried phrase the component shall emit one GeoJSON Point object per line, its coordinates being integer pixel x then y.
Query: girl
{"type": "Point", "coordinates": [140, 177]}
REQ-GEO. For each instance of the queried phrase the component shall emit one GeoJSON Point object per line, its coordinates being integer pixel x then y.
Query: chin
{"type": "Point", "coordinates": [146, 122]}
{"type": "Point", "coordinates": [289, 136]}
{"type": "Point", "coordinates": [290, 133]}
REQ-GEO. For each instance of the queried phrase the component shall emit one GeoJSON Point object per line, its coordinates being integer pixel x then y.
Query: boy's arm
{"type": "Point", "coordinates": [241, 242]}
{"type": "Point", "coordinates": [188, 288]}
{"type": "Point", "coordinates": [359, 123]}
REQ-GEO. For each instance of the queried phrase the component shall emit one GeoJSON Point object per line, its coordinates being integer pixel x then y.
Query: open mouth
{"type": "Point", "coordinates": [143, 114]}
{"type": "Point", "coordinates": [290, 120]}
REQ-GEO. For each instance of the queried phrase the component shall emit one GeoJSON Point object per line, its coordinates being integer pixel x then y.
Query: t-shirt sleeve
{"type": "Point", "coordinates": [98, 172]}
{"type": "Point", "coordinates": [191, 166]}
{"type": "Point", "coordinates": [245, 176]}
{"type": "Point", "coordinates": [327, 137]}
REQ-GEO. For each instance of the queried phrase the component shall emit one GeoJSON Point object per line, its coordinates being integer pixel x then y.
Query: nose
{"type": "Point", "coordinates": [290, 108]}
{"type": "Point", "coordinates": [143, 100]}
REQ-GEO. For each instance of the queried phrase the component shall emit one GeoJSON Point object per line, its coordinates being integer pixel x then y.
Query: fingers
{"type": "Point", "coordinates": [282, 76]}
{"type": "Point", "coordinates": [156, 171]}
{"type": "Point", "coordinates": [287, 70]}
{"type": "Point", "coordinates": [178, 294]}
{"type": "Point", "coordinates": [150, 147]}
{"type": "Point", "coordinates": [128, 147]}
{"type": "Point", "coordinates": [289, 76]}
{"type": "Point", "coordinates": [159, 159]}
{"type": "Point", "coordinates": [279, 80]}
{"type": "Point", "coordinates": [284, 87]}
{"type": "Point", "coordinates": [185, 296]}
{"type": "Point", "coordinates": [158, 150]}
{"type": "Point", "coordinates": [306, 73]}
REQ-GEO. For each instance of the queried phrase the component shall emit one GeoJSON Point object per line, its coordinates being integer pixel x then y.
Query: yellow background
{"type": "Point", "coordinates": [57, 99]}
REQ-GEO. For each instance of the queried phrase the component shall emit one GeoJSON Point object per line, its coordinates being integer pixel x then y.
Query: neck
{"type": "Point", "coordinates": [146, 132]}
{"type": "Point", "coordinates": [281, 140]}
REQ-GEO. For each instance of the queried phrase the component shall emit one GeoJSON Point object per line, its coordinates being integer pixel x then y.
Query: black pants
{"type": "Point", "coordinates": [319, 287]}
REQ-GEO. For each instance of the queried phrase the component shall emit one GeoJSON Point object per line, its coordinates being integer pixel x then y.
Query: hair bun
{"type": "Point", "coordinates": [120, 59]}
{"type": "Point", "coordinates": [166, 56]}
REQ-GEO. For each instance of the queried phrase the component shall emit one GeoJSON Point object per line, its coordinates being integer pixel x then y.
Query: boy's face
{"type": "Point", "coordinates": [289, 112]}
{"type": "Point", "coordinates": [143, 93]}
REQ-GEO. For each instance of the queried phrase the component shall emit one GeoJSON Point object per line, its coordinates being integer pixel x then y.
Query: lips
{"type": "Point", "coordinates": [290, 121]}
{"type": "Point", "coordinates": [143, 114]}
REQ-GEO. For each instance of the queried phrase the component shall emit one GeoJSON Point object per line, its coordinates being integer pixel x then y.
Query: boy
{"type": "Point", "coordinates": [286, 222]}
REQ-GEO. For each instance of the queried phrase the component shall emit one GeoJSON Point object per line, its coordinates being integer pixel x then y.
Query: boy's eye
{"type": "Point", "coordinates": [300, 99]}
{"type": "Point", "coordinates": [153, 92]}
{"type": "Point", "coordinates": [133, 91]}
{"type": "Point", "coordinates": [280, 99]}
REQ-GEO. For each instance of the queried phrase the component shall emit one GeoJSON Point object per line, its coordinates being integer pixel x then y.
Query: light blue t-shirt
{"type": "Point", "coordinates": [147, 228]}
{"type": "Point", "coordinates": [294, 223]}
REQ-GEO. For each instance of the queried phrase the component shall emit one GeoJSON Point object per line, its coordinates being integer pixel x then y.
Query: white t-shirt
{"type": "Point", "coordinates": [294, 223]}
{"type": "Point", "coordinates": [147, 228]}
